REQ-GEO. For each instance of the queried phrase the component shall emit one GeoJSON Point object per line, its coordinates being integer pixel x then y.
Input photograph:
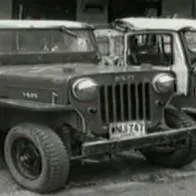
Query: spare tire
{"type": "Point", "coordinates": [180, 154]}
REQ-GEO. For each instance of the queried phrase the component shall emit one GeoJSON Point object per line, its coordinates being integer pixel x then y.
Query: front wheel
{"type": "Point", "coordinates": [36, 157]}
{"type": "Point", "coordinates": [178, 154]}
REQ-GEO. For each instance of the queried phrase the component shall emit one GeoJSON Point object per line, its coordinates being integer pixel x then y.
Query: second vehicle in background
{"type": "Point", "coordinates": [110, 44]}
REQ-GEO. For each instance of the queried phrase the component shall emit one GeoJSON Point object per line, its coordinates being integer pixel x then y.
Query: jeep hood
{"type": "Point", "coordinates": [41, 81]}
{"type": "Point", "coordinates": [66, 71]}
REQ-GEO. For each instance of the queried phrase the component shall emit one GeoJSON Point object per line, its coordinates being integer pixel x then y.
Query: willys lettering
{"type": "Point", "coordinates": [124, 78]}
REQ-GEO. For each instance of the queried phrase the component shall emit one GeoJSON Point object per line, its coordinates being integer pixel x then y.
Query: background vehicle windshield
{"type": "Point", "coordinates": [150, 48]}
{"type": "Point", "coordinates": [103, 45]}
{"type": "Point", "coordinates": [119, 45]}
{"type": "Point", "coordinates": [45, 40]}
{"type": "Point", "coordinates": [190, 38]}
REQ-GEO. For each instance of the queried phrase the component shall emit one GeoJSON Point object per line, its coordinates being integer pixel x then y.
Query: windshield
{"type": "Point", "coordinates": [190, 38]}
{"type": "Point", "coordinates": [104, 45]}
{"type": "Point", "coordinates": [45, 41]}
{"type": "Point", "coordinates": [150, 48]}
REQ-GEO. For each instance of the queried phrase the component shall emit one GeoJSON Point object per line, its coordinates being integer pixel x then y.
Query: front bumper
{"type": "Point", "coordinates": [106, 146]}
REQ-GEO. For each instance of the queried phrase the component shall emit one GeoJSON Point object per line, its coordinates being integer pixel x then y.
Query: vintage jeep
{"type": "Point", "coordinates": [168, 45]}
{"type": "Point", "coordinates": [58, 104]}
{"type": "Point", "coordinates": [110, 43]}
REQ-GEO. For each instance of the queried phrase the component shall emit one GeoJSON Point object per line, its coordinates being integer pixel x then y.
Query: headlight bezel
{"type": "Point", "coordinates": [157, 83]}
{"type": "Point", "coordinates": [89, 97]}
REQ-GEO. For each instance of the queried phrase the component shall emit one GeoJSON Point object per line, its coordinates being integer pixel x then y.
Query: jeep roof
{"type": "Point", "coordinates": [41, 24]}
{"type": "Point", "coordinates": [156, 23]}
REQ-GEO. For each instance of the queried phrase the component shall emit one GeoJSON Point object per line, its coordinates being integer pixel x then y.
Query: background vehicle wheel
{"type": "Point", "coordinates": [178, 154]}
{"type": "Point", "coordinates": [37, 158]}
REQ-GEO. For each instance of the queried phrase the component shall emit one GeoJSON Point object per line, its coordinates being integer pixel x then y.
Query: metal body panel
{"type": "Point", "coordinates": [34, 106]}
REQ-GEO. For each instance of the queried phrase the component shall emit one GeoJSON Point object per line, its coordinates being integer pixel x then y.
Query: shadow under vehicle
{"type": "Point", "coordinates": [58, 103]}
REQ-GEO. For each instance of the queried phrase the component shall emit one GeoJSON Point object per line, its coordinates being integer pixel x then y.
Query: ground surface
{"type": "Point", "coordinates": [127, 175]}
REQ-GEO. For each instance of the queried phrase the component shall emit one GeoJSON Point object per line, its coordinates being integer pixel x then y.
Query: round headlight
{"type": "Point", "coordinates": [84, 89]}
{"type": "Point", "coordinates": [163, 83]}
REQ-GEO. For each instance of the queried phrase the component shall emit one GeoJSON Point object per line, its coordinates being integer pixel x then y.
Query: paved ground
{"type": "Point", "coordinates": [182, 187]}
{"type": "Point", "coordinates": [127, 175]}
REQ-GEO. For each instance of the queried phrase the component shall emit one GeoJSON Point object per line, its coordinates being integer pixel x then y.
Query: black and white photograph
{"type": "Point", "coordinates": [98, 97]}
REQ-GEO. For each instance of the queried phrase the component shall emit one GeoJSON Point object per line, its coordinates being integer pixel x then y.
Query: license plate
{"type": "Point", "coordinates": [127, 130]}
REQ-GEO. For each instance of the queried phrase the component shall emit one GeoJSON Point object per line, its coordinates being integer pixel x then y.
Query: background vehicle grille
{"type": "Point", "coordinates": [124, 102]}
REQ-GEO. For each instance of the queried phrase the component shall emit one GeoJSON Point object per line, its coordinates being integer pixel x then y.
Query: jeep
{"type": "Point", "coordinates": [59, 104]}
{"type": "Point", "coordinates": [168, 46]}
{"type": "Point", "coordinates": [110, 43]}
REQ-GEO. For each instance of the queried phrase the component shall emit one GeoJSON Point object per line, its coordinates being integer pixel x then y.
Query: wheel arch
{"type": "Point", "coordinates": [53, 119]}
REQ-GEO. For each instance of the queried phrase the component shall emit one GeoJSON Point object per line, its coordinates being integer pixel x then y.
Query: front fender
{"type": "Point", "coordinates": [19, 111]}
{"type": "Point", "coordinates": [34, 105]}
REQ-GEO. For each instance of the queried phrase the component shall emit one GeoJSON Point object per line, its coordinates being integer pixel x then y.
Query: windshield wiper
{"type": "Point", "coordinates": [69, 32]}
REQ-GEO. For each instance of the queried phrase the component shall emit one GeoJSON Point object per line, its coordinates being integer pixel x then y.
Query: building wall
{"type": "Point", "coordinates": [5, 9]}
{"type": "Point", "coordinates": [86, 12]}
{"type": "Point", "coordinates": [182, 7]}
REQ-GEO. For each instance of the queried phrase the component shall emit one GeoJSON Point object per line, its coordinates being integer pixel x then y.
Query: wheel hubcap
{"type": "Point", "coordinates": [27, 158]}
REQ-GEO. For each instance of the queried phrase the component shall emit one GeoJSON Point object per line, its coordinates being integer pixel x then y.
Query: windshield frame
{"type": "Point", "coordinates": [61, 29]}
{"type": "Point", "coordinates": [47, 56]}
{"type": "Point", "coordinates": [147, 31]}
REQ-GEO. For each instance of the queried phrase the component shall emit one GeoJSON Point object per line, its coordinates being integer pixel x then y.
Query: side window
{"type": "Point", "coordinates": [151, 48]}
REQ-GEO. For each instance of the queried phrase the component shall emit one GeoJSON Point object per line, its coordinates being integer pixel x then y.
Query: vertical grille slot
{"type": "Point", "coordinates": [124, 102]}
{"type": "Point", "coordinates": [133, 103]}
{"type": "Point", "coordinates": [147, 98]}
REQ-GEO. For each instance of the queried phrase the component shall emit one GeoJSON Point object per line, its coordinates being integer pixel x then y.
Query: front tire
{"type": "Point", "coordinates": [36, 158]}
{"type": "Point", "coordinates": [180, 154]}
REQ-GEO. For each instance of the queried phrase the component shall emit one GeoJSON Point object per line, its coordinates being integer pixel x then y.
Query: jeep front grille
{"type": "Point", "coordinates": [124, 102]}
